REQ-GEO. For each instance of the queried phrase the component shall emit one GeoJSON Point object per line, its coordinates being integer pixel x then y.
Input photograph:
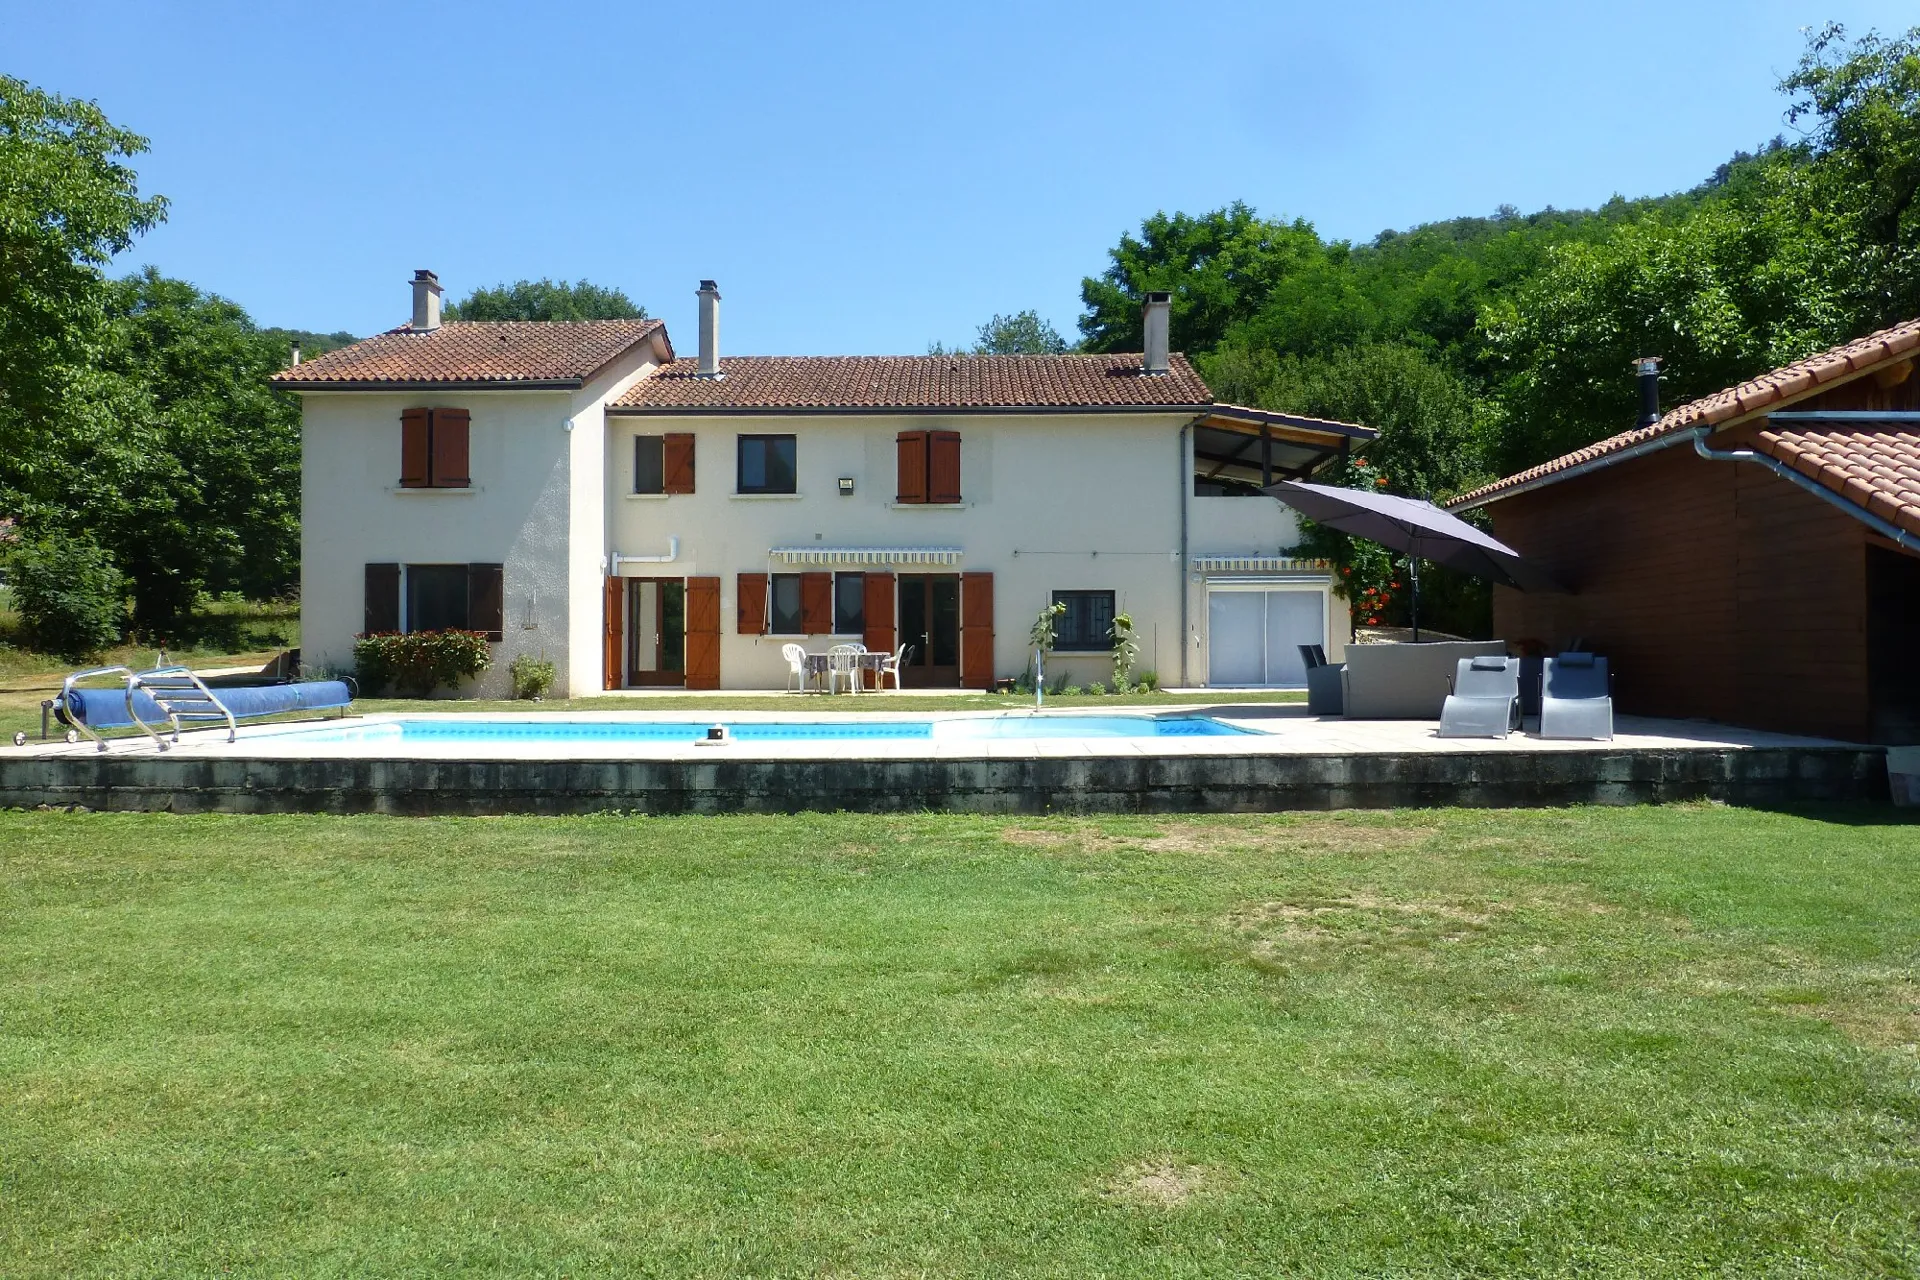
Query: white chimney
{"type": "Point", "coordinates": [1155, 317]}
{"type": "Point", "coordinates": [296, 353]}
{"type": "Point", "coordinates": [426, 301]}
{"type": "Point", "coordinates": [709, 296]}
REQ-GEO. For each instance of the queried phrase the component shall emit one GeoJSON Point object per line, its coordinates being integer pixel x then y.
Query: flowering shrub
{"type": "Point", "coordinates": [418, 662]}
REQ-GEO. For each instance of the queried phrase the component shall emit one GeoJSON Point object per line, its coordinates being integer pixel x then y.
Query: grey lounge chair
{"type": "Point", "coordinates": [1576, 698]}
{"type": "Point", "coordinates": [1485, 702]}
{"type": "Point", "coordinates": [1324, 691]}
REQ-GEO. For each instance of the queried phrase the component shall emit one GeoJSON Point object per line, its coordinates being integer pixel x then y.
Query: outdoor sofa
{"type": "Point", "coordinates": [1405, 681]}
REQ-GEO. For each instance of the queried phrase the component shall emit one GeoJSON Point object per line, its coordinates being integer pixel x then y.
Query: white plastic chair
{"type": "Point", "coordinates": [796, 666]}
{"type": "Point", "coordinates": [890, 666]}
{"type": "Point", "coordinates": [844, 659]}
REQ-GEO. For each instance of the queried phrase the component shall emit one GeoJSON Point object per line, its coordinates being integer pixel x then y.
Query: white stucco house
{"type": "Point", "coordinates": [578, 492]}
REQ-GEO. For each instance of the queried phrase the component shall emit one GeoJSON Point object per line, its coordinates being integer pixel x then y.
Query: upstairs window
{"type": "Point", "coordinates": [766, 465]}
{"type": "Point", "coordinates": [929, 467]}
{"type": "Point", "coordinates": [663, 464]}
{"type": "Point", "coordinates": [433, 449]}
{"type": "Point", "coordinates": [649, 464]}
{"type": "Point", "coordinates": [1087, 625]}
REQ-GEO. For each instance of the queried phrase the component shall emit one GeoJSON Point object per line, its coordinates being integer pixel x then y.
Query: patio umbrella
{"type": "Point", "coordinates": [1419, 529]}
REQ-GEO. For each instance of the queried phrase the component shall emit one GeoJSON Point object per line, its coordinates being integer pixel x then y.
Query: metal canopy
{"type": "Point", "coordinates": [1233, 444]}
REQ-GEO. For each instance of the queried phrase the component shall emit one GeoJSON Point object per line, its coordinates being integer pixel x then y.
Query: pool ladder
{"type": "Point", "coordinates": [177, 691]}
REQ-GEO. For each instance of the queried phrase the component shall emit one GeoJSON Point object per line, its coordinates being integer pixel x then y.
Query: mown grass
{"type": "Point", "coordinates": [1654, 1041]}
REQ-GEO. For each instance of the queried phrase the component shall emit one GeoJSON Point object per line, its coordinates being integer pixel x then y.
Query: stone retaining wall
{"type": "Point", "coordinates": [1104, 784]}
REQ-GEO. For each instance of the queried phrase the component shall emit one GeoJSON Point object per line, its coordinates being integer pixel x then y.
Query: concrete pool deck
{"type": "Point", "coordinates": [1288, 760]}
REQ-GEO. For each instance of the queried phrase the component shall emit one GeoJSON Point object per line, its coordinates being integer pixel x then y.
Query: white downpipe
{"type": "Point", "coordinates": [673, 553]}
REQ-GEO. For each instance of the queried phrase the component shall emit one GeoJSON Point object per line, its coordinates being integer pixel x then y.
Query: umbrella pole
{"type": "Point", "coordinates": [1413, 567]}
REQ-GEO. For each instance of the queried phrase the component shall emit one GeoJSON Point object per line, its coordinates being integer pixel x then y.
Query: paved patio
{"type": "Point", "coordinates": [1272, 729]}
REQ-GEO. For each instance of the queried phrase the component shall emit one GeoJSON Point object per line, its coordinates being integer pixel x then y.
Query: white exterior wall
{"type": "Point", "coordinates": [1219, 526]}
{"type": "Point", "coordinates": [532, 481]}
{"type": "Point", "coordinates": [1050, 502]}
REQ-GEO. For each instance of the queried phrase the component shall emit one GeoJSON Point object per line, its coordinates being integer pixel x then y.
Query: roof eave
{"type": "Point", "coordinates": [303, 386]}
{"type": "Point", "coordinates": [746, 411]}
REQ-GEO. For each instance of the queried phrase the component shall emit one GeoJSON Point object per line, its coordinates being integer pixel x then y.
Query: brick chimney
{"type": "Point", "coordinates": [709, 295]}
{"type": "Point", "coordinates": [426, 301]}
{"type": "Point", "coordinates": [1156, 317]}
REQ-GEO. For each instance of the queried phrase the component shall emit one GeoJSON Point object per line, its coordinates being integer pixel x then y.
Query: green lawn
{"type": "Point", "coordinates": [1653, 1041]}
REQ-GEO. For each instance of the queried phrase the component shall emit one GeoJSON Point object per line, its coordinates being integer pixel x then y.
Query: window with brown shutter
{"type": "Point", "coordinates": [413, 448]}
{"type": "Point", "coordinates": [382, 599]}
{"type": "Point", "coordinates": [943, 466]}
{"type": "Point", "coordinates": [750, 613]}
{"type": "Point", "coordinates": [816, 604]}
{"type": "Point", "coordinates": [447, 450]}
{"type": "Point", "coordinates": [677, 463]}
{"type": "Point", "coordinates": [912, 446]}
{"type": "Point", "coordinates": [486, 600]}
{"type": "Point", "coordinates": [433, 449]}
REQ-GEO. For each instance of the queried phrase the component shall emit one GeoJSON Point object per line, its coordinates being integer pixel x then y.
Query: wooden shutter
{"type": "Point", "coordinates": [877, 589]}
{"type": "Point", "coordinates": [912, 486]}
{"type": "Point", "coordinates": [486, 600]}
{"type": "Point", "coordinates": [413, 448]}
{"type": "Point", "coordinates": [976, 630]}
{"type": "Point", "coordinates": [703, 633]}
{"type": "Point", "coordinates": [383, 599]}
{"type": "Point", "coordinates": [613, 657]}
{"type": "Point", "coordinates": [447, 449]}
{"type": "Point", "coordinates": [678, 463]}
{"type": "Point", "coordinates": [750, 613]}
{"type": "Point", "coordinates": [943, 466]}
{"type": "Point", "coordinates": [816, 604]}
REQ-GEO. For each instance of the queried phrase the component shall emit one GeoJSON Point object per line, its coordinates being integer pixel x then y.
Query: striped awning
{"type": "Point", "coordinates": [865, 555]}
{"type": "Point", "coordinates": [1259, 564]}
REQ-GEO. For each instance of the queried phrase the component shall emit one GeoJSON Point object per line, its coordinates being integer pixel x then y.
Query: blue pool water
{"type": "Point", "coordinates": [438, 729]}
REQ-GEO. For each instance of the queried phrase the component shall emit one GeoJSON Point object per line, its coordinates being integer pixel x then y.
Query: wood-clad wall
{"type": "Point", "coordinates": [1717, 590]}
{"type": "Point", "coordinates": [1647, 547]}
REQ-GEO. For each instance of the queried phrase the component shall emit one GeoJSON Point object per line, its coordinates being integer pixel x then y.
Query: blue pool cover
{"type": "Point", "coordinates": [107, 708]}
{"type": "Point", "coordinates": [437, 729]}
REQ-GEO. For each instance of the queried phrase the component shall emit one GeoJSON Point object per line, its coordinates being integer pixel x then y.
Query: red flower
{"type": "Point", "coordinates": [1394, 585]}
{"type": "Point", "coordinates": [1381, 482]}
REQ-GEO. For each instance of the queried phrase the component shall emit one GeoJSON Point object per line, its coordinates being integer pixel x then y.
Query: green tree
{"type": "Point", "coordinates": [546, 300]}
{"type": "Point", "coordinates": [1861, 101]}
{"type": "Point", "coordinates": [67, 205]}
{"type": "Point", "coordinates": [1220, 267]}
{"type": "Point", "coordinates": [1024, 333]}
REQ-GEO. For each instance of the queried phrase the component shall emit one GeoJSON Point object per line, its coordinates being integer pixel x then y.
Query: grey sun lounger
{"type": "Point", "coordinates": [1576, 699]}
{"type": "Point", "coordinates": [1485, 702]}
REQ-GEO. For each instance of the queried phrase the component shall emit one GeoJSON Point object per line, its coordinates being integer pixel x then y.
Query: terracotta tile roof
{"type": "Point", "coordinates": [1789, 382]}
{"type": "Point", "coordinates": [473, 351]}
{"type": "Point", "coordinates": [751, 384]}
{"type": "Point", "coordinates": [1874, 465]}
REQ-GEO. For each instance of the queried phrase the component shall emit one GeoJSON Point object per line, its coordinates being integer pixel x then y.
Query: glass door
{"type": "Point", "coordinates": [930, 622]}
{"type": "Point", "coordinates": [656, 631]}
{"type": "Point", "coordinates": [1254, 636]}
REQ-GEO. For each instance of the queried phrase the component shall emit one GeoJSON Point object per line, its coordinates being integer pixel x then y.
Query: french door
{"type": "Point", "coordinates": [930, 622]}
{"type": "Point", "coordinates": [656, 631]}
{"type": "Point", "coordinates": [1254, 636]}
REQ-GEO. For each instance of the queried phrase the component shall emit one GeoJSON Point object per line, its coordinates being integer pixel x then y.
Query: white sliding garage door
{"type": "Point", "coordinates": [1254, 634]}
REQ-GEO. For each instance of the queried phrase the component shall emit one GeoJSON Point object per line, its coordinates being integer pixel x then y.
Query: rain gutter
{"type": "Point", "coordinates": [1891, 532]}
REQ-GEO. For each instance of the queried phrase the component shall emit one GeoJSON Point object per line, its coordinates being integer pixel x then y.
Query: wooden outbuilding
{"type": "Point", "coordinates": [1752, 557]}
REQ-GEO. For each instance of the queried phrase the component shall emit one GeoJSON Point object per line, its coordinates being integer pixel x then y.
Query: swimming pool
{"type": "Point", "coordinates": [558, 730]}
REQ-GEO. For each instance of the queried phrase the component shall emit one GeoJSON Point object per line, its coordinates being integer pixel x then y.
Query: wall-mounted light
{"type": "Point", "coordinates": [846, 486]}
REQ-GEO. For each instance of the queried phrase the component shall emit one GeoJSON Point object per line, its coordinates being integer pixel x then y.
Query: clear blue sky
{"type": "Point", "coordinates": [869, 178]}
